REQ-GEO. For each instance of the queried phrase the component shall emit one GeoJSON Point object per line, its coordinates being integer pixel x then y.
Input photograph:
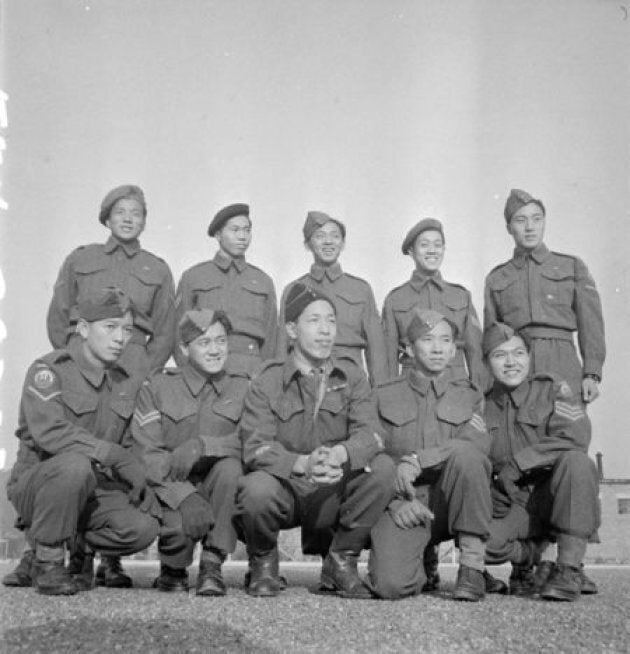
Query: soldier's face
{"type": "Point", "coordinates": [105, 340]}
{"type": "Point", "coordinates": [314, 332]}
{"type": "Point", "coordinates": [209, 351]}
{"type": "Point", "coordinates": [235, 236]}
{"type": "Point", "coordinates": [433, 350]}
{"type": "Point", "coordinates": [428, 250]}
{"type": "Point", "coordinates": [126, 219]}
{"type": "Point", "coordinates": [509, 362]}
{"type": "Point", "coordinates": [527, 226]}
{"type": "Point", "coordinates": [326, 243]}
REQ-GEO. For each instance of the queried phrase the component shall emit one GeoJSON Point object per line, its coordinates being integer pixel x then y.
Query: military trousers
{"type": "Point", "coordinates": [60, 498]}
{"type": "Point", "coordinates": [563, 500]}
{"type": "Point", "coordinates": [560, 357]}
{"type": "Point", "coordinates": [460, 501]}
{"type": "Point", "coordinates": [218, 486]}
{"type": "Point", "coordinates": [337, 517]}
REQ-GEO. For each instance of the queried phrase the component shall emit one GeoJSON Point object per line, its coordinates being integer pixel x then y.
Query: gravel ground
{"type": "Point", "coordinates": [145, 620]}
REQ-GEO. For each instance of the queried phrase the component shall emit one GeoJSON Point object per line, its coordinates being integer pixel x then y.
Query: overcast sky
{"type": "Point", "coordinates": [378, 112]}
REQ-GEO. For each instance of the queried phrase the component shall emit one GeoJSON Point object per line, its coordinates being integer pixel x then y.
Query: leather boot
{"type": "Point", "coordinates": [171, 579]}
{"type": "Point", "coordinates": [493, 585]}
{"type": "Point", "coordinates": [281, 581]}
{"type": "Point", "coordinates": [52, 578]}
{"type": "Point", "coordinates": [564, 584]}
{"type": "Point", "coordinates": [110, 573]}
{"type": "Point", "coordinates": [470, 586]}
{"type": "Point", "coordinates": [210, 581]}
{"type": "Point", "coordinates": [22, 575]}
{"type": "Point", "coordinates": [543, 572]}
{"type": "Point", "coordinates": [263, 575]}
{"type": "Point", "coordinates": [522, 581]}
{"type": "Point", "coordinates": [81, 567]}
{"type": "Point", "coordinates": [341, 577]}
{"type": "Point", "coordinates": [589, 587]}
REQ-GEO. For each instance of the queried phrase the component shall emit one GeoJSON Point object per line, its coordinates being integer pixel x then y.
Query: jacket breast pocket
{"type": "Point", "coordinates": [286, 409]}
{"type": "Point", "coordinates": [350, 311]}
{"type": "Point", "coordinates": [92, 276]}
{"type": "Point", "coordinates": [509, 297]}
{"type": "Point", "coordinates": [144, 285]}
{"type": "Point", "coordinates": [557, 286]}
{"type": "Point", "coordinates": [255, 299]}
{"type": "Point", "coordinates": [80, 404]}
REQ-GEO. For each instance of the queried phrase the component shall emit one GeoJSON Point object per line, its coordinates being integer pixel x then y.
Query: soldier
{"type": "Point", "coordinates": [545, 486]}
{"type": "Point", "coordinates": [425, 244]}
{"type": "Point", "coordinates": [358, 327]}
{"type": "Point", "coordinates": [120, 262]}
{"type": "Point", "coordinates": [231, 284]}
{"type": "Point", "coordinates": [73, 482]}
{"type": "Point", "coordinates": [437, 435]}
{"type": "Point", "coordinates": [144, 277]}
{"type": "Point", "coordinates": [309, 440]}
{"type": "Point", "coordinates": [185, 430]}
{"type": "Point", "coordinates": [548, 297]}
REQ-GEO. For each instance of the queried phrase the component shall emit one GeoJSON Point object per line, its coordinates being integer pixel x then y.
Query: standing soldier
{"type": "Point", "coordinates": [144, 277]}
{"type": "Point", "coordinates": [309, 440]}
{"type": "Point", "coordinates": [120, 262]}
{"type": "Point", "coordinates": [358, 327]}
{"type": "Point", "coordinates": [548, 297]}
{"type": "Point", "coordinates": [545, 486]}
{"type": "Point", "coordinates": [231, 284]}
{"type": "Point", "coordinates": [185, 429]}
{"type": "Point", "coordinates": [425, 244]}
{"type": "Point", "coordinates": [73, 483]}
{"type": "Point", "coordinates": [437, 435]}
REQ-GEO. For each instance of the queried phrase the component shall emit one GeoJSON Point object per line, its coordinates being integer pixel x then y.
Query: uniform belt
{"type": "Point", "coordinates": [243, 344]}
{"type": "Point", "coordinates": [548, 332]}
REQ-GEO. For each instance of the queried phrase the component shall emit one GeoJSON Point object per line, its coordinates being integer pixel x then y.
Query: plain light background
{"type": "Point", "coordinates": [379, 112]}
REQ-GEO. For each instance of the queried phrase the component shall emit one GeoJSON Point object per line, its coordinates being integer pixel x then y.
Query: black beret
{"type": "Point", "coordinates": [299, 297]}
{"type": "Point", "coordinates": [225, 214]}
{"type": "Point", "coordinates": [424, 225]}
{"type": "Point", "coordinates": [128, 191]}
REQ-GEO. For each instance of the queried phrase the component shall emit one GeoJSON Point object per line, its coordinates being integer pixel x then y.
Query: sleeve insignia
{"type": "Point", "coordinates": [44, 379]}
{"type": "Point", "coordinates": [144, 419]}
{"type": "Point", "coordinates": [571, 412]}
{"type": "Point", "coordinates": [564, 391]}
{"type": "Point", "coordinates": [478, 422]}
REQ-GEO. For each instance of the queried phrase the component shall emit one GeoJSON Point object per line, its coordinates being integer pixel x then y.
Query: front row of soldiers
{"type": "Point", "coordinates": [201, 454]}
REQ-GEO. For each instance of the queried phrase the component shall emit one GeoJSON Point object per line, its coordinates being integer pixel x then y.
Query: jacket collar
{"type": "Point", "coordinates": [540, 254]}
{"type": "Point", "coordinates": [500, 394]}
{"type": "Point", "coordinates": [333, 272]}
{"type": "Point", "coordinates": [419, 279]}
{"type": "Point", "coordinates": [130, 248]}
{"type": "Point", "coordinates": [91, 373]}
{"type": "Point", "coordinates": [422, 384]}
{"type": "Point", "coordinates": [196, 381]}
{"type": "Point", "coordinates": [292, 370]}
{"type": "Point", "coordinates": [224, 262]}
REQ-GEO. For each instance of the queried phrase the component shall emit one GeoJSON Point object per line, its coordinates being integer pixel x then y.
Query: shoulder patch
{"type": "Point", "coordinates": [44, 377]}
{"type": "Point", "coordinates": [563, 390]}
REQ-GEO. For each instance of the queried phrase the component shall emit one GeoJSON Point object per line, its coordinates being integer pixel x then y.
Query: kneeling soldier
{"type": "Point", "coordinates": [309, 440]}
{"type": "Point", "coordinates": [437, 435]}
{"type": "Point", "coordinates": [545, 486]}
{"type": "Point", "coordinates": [73, 483]}
{"type": "Point", "coordinates": [185, 429]}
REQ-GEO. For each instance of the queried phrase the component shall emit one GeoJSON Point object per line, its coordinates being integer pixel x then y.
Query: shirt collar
{"type": "Point", "coordinates": [519, 394]}
{"type": "Point", "coordinates": [131, 248]}
{"type": "Point", "coordinates": [419, 279]}
{"type": "Point", "coordinates": [196, 381]}
{"type": "Point", "coordinates": [224, 262]}
{"type": "Point", "coordinates": [422, 384]}
{"type": "Point", "coordinates": [293, 370]}
{"type": "Point", "coordinates": [540, 254]}
{"type": "Point", "coordinates": [333, 272]}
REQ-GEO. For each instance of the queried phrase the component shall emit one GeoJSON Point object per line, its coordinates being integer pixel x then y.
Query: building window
{"type": "Point", "coordinates": [623, 505]}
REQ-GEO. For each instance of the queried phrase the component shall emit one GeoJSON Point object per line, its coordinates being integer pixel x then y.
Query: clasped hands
{"type": "Point", "coordinates": [323, 466]}
{"type": "Point", "coordinates": [408, 511]}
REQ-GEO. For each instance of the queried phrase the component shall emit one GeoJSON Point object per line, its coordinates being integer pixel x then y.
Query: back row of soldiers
{"type": "Point", "coordinates": [305, 427]}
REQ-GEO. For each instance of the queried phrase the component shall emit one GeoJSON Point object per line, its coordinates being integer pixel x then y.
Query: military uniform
{"type": "Point", "coordinates": [71, 414]}
{"type": "Point", "coordinates": [541, 429]}
{"type": "Point", "coordinates": [549, 296]}
{"type": "Point", "coordinates": [145, 278]}
{"type": "Point", "coordinates": [246, 294]}
{"type": "Point", "coordinates": [439, 423]}
{"type": "Point", "coordinates": [451, 300]}
{"type": "Point", "coordinates": [358, 326]}
{"type": "Point", "coordinates": [285, 416]}
{"type": "Point", "coordinates": [173, 407]}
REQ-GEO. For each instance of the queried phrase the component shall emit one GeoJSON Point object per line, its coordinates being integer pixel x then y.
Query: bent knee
{"type": "Point", "coordinates": [256, 490]}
